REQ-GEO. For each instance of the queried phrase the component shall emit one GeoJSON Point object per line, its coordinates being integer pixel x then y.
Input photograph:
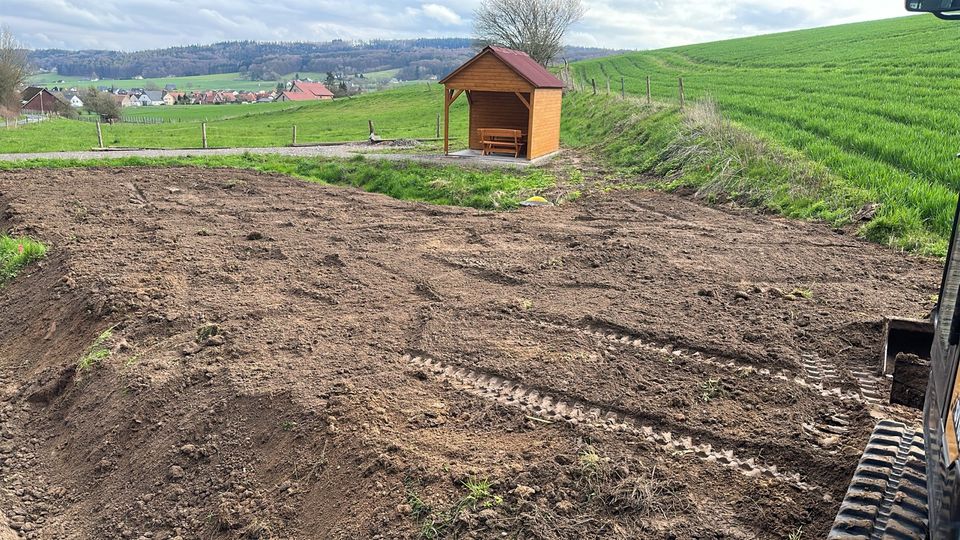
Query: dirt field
{"type": "Point", "coordinates": [296, 361]}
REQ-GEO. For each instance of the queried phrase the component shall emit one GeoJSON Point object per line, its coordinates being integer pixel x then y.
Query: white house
{"type": "Point", "coordinates": [151, 98]}
{"type": "Point", "coordinates": [73, 99]}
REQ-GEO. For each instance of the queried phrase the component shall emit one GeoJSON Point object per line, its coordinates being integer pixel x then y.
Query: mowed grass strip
{"type": "Point", "coordinates": [865, 101]}
{"type": "Point", "coordinates": [485, 189]}
{"type": "Point", "coordinates": [409, 112]}
{"type": "Point", "coordinates": [16, 253]}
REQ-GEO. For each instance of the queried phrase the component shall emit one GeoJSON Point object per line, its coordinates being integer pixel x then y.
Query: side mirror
{"type": "Point", "coordinates": [933, 6]}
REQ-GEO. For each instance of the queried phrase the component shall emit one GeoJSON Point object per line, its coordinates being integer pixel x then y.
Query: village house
{"type": "Point", "coordinates": [39, 100]}
{"type": "Point", "coordinates": [306, 91]}
{"type": "Point", "coordinates": [123, 100]}
{"type": "Point", "coordinates": [151, 98]}
{"type": "Point", "coordinates": [171, 98]}
{"type": "Point", "coordinates": [73, 98]}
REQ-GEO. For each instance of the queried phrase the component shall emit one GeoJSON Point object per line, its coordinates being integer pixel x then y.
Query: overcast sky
{"type": "Point", "coordinates": [634, 24]}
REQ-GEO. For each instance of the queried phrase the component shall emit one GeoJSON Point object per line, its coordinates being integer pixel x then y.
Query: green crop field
{"type": "Point", "coordinates": [405, 112]}
{"type": "Point", "coordinates": [222, 81]}
{"type": "Point", "coordinates": [872, 102]}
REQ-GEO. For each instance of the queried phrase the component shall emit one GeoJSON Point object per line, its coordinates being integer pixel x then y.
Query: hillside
{"type": "Point", "coordinates": [867, 101]}
{"type": "Point", "coordinates": [258, 61]}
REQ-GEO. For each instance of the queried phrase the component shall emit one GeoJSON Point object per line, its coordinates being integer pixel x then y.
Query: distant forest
{"type": "Point", "coordinates": [416, 58]}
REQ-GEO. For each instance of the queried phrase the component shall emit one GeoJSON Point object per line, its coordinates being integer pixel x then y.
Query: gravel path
{"type": "Point", "coordinates": [341, 151]}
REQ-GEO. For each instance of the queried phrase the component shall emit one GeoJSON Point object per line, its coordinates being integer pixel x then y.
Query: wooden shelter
{"type": "Point", "coordinates": [507, 90]}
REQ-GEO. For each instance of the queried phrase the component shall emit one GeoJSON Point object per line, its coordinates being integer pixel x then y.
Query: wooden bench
{"type": "Point", "coordinates": [501, 141]}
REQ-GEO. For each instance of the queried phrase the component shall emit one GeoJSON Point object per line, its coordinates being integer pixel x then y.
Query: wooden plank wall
{"type": "Point", "coordinates": [545, 124]}
{"type": "Point", "coordinates": [490, 74]}
{"type": "Point", "coordinates": [495, 110]}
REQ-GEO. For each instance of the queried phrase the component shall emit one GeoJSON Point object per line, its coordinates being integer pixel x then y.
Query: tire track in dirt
{"type": "Point", "coordinates": [815, 378]}
{"type": "Point", "coordinates": [826, 433]}
{"type": "Point", "coordinates": [515, 394]}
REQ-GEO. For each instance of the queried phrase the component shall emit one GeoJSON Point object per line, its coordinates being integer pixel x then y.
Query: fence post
{"type": "Point", "coordinates": [594, 83]}
{"type": "Point", "coordinates": [372, 130]}
{"type": "Point", "coordinates": [649, 94]}
{"type": "Point", "coordinates": [99, 135]}
{"type": "Point", "coordinates": [438, 125]}
{"type": "Point", "coordinates": [203, 127]}
{"type": "Point", "coordinates": [294, 135]}
{"type": "Point", "coordinates": [623, 88]}
{"type": "Point", "coordinates": [608, 85]}
{"type": "Point", "coordinates": [681, 94]}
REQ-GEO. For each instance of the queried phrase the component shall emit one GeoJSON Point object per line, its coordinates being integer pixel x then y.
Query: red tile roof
{"type": "Point", "coordinates": [313, 88]}
{"type": "Point", "coordinates": [520, 62]}
{"type": "Point", "coordinates": [297, 96]}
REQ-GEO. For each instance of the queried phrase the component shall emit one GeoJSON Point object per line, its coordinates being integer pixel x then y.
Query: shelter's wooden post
{"type": "Point", "coordinates": [531, 127]}
{"type": "Point", "coordinates": [649, 94]}
{"type": "Point", "coordinates": [203, 128]}
{"type": "Point", "coordinates": [99, 133]}
{"type": "Point", "coordinates": [681, 93]}
{"type": "Point", "coordinates": [446, 121]}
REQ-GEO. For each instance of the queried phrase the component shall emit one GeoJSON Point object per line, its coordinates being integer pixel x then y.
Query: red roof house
{"type": "Point", "coordinates": [306, 91]}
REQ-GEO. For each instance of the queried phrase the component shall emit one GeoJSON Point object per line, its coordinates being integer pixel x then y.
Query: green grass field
{"type": "Point", "coordinates": [222, 81]}
{"type": "Point", "coordinates": [406, 112]}
{"type": "Point", "coordinates": [868, 101]}
{"type": "Point", "coordinates": [207, 113]}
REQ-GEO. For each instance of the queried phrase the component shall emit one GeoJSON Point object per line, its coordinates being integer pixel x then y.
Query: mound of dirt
{"type": "Point", "coordinates": [224, 354]}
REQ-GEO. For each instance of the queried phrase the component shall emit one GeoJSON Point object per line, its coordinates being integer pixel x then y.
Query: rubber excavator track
{"type": "Point", "coordinates": [887, 498]}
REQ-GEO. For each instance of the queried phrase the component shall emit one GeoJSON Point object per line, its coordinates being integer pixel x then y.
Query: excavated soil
{"type": "Point", "coordinates": [289, 360]}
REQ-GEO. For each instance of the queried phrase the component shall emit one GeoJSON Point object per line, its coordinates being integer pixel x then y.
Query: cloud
{"type": "Point", "coordinates": [633, 24]}
{"type": "Point", "coordinates": [442, 14]}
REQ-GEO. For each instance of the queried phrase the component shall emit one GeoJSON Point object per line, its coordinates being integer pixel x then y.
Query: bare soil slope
{"type": "Point", "coordinates": [296, 361]}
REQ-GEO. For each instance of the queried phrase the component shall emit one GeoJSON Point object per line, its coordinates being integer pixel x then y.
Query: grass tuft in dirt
{"type": "Point", "coordinates": [441, 523]}
{"type": "Point", "coordinates": [16, 253]}
{"type": "Point", "coordinates": [480, 493]}
{"type": "Point", "coordinates": [712, 389]}
{"type": "Point", "coordinates": [97, 352]}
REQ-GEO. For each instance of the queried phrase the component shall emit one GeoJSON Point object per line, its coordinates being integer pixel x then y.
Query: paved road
{"type": "Point", "coordinates": [345, 151]}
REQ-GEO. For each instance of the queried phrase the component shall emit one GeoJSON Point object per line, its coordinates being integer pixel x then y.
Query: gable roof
{"type": "Point", "coordinates": [298, 96]}
{"type": "Point", "coordinates": [313, 88]}
{"type": "Point", "coordinates": [31, 92]}
{"type": "Point", "coordinates": [519, 62]}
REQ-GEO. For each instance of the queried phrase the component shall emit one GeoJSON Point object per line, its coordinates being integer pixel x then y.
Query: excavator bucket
{"type": "Point", "coordinates": [906, 358]}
